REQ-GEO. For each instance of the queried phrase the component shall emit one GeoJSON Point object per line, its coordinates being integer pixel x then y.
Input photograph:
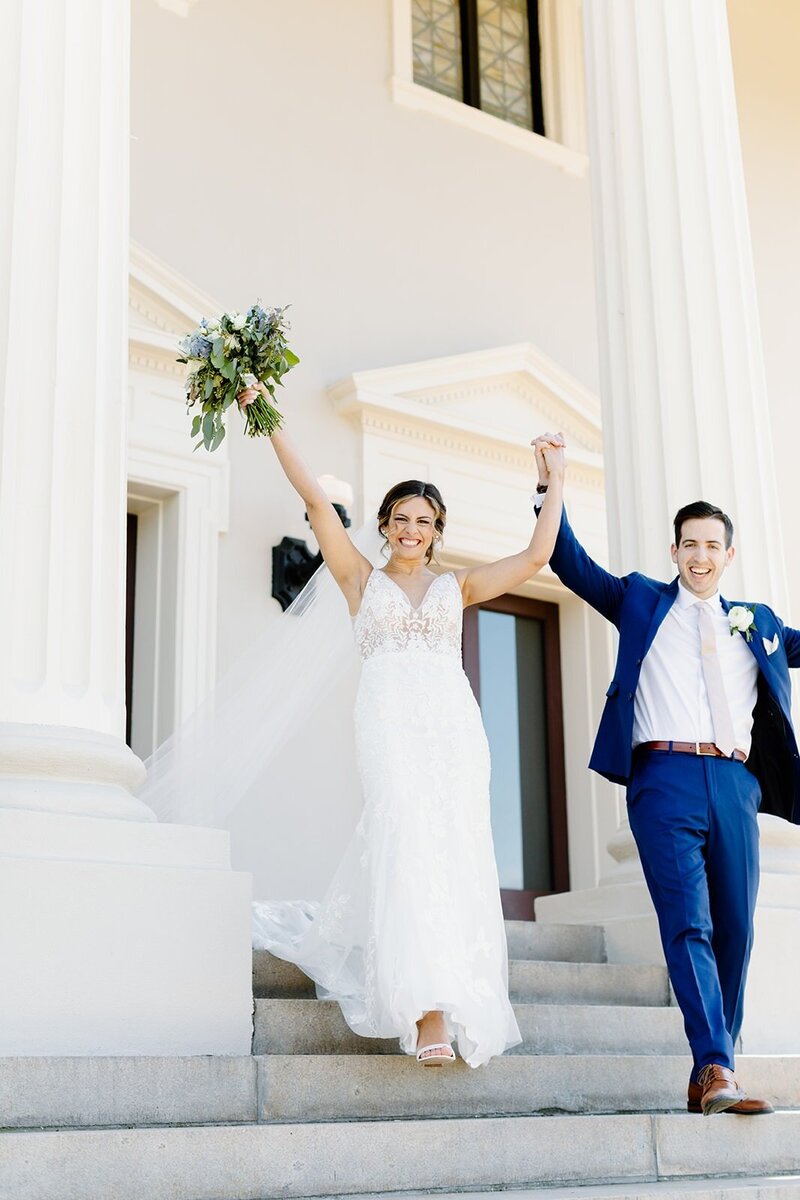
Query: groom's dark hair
{"type": "Point", "coordinates": [701, 509]}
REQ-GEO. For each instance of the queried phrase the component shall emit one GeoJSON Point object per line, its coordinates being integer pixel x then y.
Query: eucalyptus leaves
{"type": "Point", "coordinates": [227, 355]}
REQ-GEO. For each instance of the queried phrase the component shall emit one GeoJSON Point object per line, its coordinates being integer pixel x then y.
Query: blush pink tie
{"type": "Point", "coordinates": [715, 686]}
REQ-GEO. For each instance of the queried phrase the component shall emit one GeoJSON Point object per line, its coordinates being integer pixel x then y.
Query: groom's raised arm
{"type": "Point", "coordinates": [583, 576]}
{"type": "Point", "coordinates": [574, 567]}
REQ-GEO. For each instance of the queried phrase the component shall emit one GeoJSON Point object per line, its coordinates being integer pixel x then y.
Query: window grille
{"type": "Point", "coordinates": [485, 53]}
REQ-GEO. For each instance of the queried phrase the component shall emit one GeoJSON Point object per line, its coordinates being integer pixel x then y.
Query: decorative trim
{"type": "Point", "coordinates": [585, 470]}
{"type": "Point", "coordinates": [201, 490]}
{"type": "Point", "coordinates": [550, 408]}
{"type": "Point", "coordinates": [434, 394]}
{"type": "Point", "coordinates": [161, 465]}
{"type": "Point", "coordinates": [568, 158]}
{"type": "Point", "coordinates": [162, 307]}
{"type": "Point", "coordinates": [456, 370]}
{"type": "Point", "coordinates": [408, 411]}
{"type": "Point", "coordinates": [140, 359]}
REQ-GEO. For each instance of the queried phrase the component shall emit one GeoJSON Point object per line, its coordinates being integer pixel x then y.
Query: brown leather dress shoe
{"type": "Point", "coordinates": [745, 1108]}
{"type": "Point", "coordinates": [719, 1089]}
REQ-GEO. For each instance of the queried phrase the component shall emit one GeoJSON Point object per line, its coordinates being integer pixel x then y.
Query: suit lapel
{"type": "Point", "coordinates": [755, 645]}
{"type": "Point", "coordinates": [665, 603]}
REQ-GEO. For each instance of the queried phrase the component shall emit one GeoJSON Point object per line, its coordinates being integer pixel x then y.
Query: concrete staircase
{"type": "Point", "coordinates": [593, 1096]}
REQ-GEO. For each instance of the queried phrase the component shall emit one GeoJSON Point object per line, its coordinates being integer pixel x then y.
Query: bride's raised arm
{"type": "Point", "coordinates": [348, 566]}
{"type": "Point", "coordinates": [493, 579]}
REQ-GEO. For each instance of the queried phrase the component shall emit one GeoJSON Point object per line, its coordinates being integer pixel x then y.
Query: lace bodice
{"type": "Point", "coordinates": [388, 623]}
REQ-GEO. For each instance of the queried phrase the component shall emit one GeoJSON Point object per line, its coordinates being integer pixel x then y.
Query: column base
{"type": "Point", "coordinates": [61, 769]}
{"type": "Point", "coordinates": [121, 938]}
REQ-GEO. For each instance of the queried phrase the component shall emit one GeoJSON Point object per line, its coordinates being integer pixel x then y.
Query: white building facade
{"type": "Point", "coordinates": [458, 284]}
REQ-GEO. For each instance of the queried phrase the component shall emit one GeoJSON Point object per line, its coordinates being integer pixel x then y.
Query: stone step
{"type": "Point", "coordinates": [555, 943]}
{"type": "Point", "coordinates": [354, 1088]}
{"type": "Point", "coordinates": [252, 1162]}
{"type": "Point", "coordinates": [772, 1187]}
{"type": "Point", "coordinates": [531, 982]}
{"type": "Point", "coordinates": [73, 1092]}
{"type": "Point", "coordinates": [526, 940]}
{"type": "Point", "coordinates": [101, 1092]}
{"type": "Point", "coordinates": [318, 1027]}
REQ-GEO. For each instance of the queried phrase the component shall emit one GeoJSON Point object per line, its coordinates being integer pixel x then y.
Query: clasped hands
{"type": "Point", "coordinates": [550, 456]}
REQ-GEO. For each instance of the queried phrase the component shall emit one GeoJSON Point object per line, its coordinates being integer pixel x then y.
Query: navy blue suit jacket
{"type": "Point", "coordinates": [637, 605]}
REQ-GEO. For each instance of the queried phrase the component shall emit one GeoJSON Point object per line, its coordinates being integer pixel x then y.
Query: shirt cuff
{"type": "Point", "coordinates": [538, 499]}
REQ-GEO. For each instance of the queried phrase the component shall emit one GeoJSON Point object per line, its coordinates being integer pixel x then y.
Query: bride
{"type": "Point", "coordinates": [409, 938]}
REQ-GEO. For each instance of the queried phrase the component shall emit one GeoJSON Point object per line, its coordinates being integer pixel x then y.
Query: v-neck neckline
{"type": "Point", "coordinates": [405, 593]}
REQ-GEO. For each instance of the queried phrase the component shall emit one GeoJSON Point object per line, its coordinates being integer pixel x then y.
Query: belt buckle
{"type": "Point", "coordinates": [705, 753]}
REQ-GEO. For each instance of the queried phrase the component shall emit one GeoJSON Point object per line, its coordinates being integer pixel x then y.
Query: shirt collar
{"type": "Point", "coordinates": [686, 598]}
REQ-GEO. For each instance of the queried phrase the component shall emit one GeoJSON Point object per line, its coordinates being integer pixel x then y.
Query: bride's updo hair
{"type": "Point", "coordinates": [407, 491]}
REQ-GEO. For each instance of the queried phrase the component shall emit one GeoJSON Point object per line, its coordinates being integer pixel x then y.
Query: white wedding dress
{"type": "Point", "coordinates": [412, 920]}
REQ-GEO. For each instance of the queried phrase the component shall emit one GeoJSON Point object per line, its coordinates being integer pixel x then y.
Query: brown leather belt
{"type": "Point", "coordinates": [704, 748]}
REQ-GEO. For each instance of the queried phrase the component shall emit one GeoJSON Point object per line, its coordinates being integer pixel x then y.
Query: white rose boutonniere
{"type": "Point", "coordinates": [742, 620]}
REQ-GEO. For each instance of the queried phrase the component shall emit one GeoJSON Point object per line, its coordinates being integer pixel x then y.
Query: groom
{"type": "Point", "coordinates": [697, 725]}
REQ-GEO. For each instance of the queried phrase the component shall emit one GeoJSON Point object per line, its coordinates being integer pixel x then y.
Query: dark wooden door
{"type": "Point", "coordinates": [512, 658]}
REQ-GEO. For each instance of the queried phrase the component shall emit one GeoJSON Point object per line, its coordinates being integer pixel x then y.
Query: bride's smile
{"type": "Point", "coordinates": [410, 533]}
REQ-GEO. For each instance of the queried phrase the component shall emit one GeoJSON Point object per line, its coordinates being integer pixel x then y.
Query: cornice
{"type": "Point", "coordinates": [162, 308]}
{"type": "Point", "coordinates": [143, 307]}
{"type": "Point", "coordinates": [469, 406]}
{"type": "Point", "coordinates": [142, 357]}
{"type": "Point", "coordinates": [446, 390]}
{"type": "Point", "coordinates": [430, 376]}
{"type": "Point", "coordinates": [586, 468]}
{"type": "Point", "coordinates": [550, 406]}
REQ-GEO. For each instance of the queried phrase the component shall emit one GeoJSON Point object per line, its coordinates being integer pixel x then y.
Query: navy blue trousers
{"type": "Point", "coordinates": [694, 821]}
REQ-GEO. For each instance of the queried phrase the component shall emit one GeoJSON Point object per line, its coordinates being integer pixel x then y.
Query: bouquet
{"type": "Point", "coordinates": [227, 355]}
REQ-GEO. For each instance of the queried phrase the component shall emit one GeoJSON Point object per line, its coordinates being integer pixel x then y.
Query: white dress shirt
{"type": "Point", "coordinates": [671, 703]}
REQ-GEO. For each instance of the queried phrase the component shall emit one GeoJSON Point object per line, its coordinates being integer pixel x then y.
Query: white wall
{"type": "Point", "coordinates": [765, 38]}
{"type": "Point", "coordinates": [269, 159]}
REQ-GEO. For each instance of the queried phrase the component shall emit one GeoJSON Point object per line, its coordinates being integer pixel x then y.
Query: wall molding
{"type": "Point", "coordinates": [163, 466]}
{"type": "Point", "coordinates": [473, 414]}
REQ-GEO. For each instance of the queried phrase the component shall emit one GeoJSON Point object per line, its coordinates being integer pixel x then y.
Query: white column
{"type": "Point", "coordinates": [683, 392]}
{"type": "Point", "coordinates": [63, 346]}
{"type": "Point", "coordinates": [117, 935]}
{"type": "Point", "coordinates": [683, 389]}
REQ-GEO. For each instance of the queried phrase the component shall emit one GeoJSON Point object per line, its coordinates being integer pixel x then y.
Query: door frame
{"type": "Point", "coordinates": [519, 904]}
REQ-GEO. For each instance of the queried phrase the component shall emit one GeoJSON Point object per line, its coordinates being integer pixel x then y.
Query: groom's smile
{"type": "Point", "coordinates": [702, 555]}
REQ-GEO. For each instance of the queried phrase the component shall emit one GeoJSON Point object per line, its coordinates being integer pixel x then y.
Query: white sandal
{"type": "Point", "coordinates": [436, 1060]}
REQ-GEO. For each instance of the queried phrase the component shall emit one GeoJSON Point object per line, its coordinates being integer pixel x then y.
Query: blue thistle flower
{"type": "Point", "coordinates": [196, 346]}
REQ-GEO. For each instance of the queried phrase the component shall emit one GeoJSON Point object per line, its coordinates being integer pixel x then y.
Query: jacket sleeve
{"type": "Point", "coordinates": [791, 644]}
{"type": "Point", "coordinates": [583, 576]}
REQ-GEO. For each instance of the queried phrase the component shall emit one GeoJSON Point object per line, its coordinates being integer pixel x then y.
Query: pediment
{"type": "Point", "coordinates": [497, 399]}
{"type": "Point", "coordinates": [163, 306]}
